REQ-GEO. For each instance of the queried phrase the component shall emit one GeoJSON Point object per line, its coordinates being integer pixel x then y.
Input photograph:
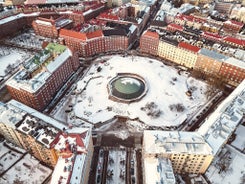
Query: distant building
{"type": "Point", "coordinates": [113, 38]}
{"type": "Point", "coordinates": [75, 150]}
{"type": "Point", "coordinates": [188, 151]}
{"type": "Point", "coordinates": [43, 75]}
{"type": "Point", "coordinates": [50, 27]}
{"type": "Point", "coordinates": [223, 7]}
{"type": "Point", "coordinates": [234, 42]}
{"type": "Point", "coordinates": [11, 24]}
{"type": "Point", "coordinates": [232, 26]}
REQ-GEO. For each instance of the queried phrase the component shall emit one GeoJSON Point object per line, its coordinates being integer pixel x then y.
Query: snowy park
{"type": "Point", "coordinates": [166, 102]}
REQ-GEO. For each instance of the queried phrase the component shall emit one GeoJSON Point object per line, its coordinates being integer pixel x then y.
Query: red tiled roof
{"type": "Point", "coordinates": [74, 34]}
{"type": "Point", "coordinates": [95, 34]}
{"type": "Point", "coordinates": [175, 26]}
{"type": "Point", "coordinates": [78, 137]}
{"type": "Point", "coordinates": [189, 18]}
{"type": "Point", "coordinates": [212, 35]}
{"type": "Point", "coordinates": [108, 16]}
{"type": "Point", "coordinates": [235, 40]}
{"type": "Point", "coordinates": [188, 46]}
{"type": "Point", "coordinates": [240, 24]}
{"type": "Point", "coordinates": [151, 34]}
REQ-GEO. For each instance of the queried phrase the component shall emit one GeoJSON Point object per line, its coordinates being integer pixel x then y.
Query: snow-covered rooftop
{"type": "Point", "coordinates": [72, 145]}
{"type": "Point", "coordinates": [158, 170]}
{"type": "Point", "coordinates": [26, 170]}
{"type": "Point", "coordinates": [228, 167]}
{"type": "Point", "coordinates": [239, 141]}
{"type": "Point", "coordinates": [174, 142]}
{"type": "Point", "coordinates": [11, 115]}
{"type": "Point", "coordinates": [235, 62]}
{"type": "Point", "coordinates": [18, 16]}
{"type": "Point", "coordinates": [218, 127]}
{"type": "Point", "coordinates": [52, 57]}
{"type": "Point", "coordinates": [13, 104]}
{"type": "Point", "coordinates": [43, 132]}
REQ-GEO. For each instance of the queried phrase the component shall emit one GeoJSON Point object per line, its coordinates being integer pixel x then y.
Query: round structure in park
{"type": "Point", "coordinates": [127, 87]}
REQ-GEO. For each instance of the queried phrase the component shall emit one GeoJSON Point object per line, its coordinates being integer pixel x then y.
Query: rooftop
{"type": "Point", "coordinates": [13, 104]}
{"type": "Point", "coordinates": [39, 68]}
{"type": "Point", "coordinates": [189, 47]}
{"type": "Point", "coordinates": [213, 54]}
{"type": "Point", "coordinates": [151, 34]}
{"type": "Point", "coordinates": [172, 142]}
{"type": "Point", "coordinates": [72, 145]}
{"type": "Point", "coordinates": [158, 170]}
{"type": "Point", "coordinates": [218, 127]}
{"type": "Point", "coordinates": [11, 115]}
{"type": "Point", "coordinates": [42, 131]}
{"type": "Point", "coordinates": [235, 40]}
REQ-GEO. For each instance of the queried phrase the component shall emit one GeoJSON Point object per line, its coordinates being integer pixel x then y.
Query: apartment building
{"type": "Point", "coordinates": [36, 136]}
{"type": "Point", "coordinates": [223, 7]}
{"type": "Point", "coordinates": [149, 42]}
{"type": "Point", "coordinates": [187, 151]}
{"type": "Point", "coordinates": [43, 75]}
{"type": "Point", "coordinates": [234, 42]}
{"type": "Point", "coordinates": [233, 70]}
{"type": "Point", "coordinates": [114, 37]}
{"type": "Point", "coordinates": [186, 54]}
{"type": "Point", "coordinates": [10, 117]}
{"type": "Point", "coordinates": [209, 61]}
{"type": "Point", "coordinates": [69, 151]}
{"type": "Point", "coordinates": [167, 48]}
{"type": "Point", "coordinates": [30, 129]}
{"type": "Point", "coordinates": [50, 27]}
{"type": "Point", "coordinates": [232, 26]}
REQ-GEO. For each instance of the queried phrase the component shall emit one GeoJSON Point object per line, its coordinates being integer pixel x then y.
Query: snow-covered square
{"type": "Point", "coordinates": [166, 102]}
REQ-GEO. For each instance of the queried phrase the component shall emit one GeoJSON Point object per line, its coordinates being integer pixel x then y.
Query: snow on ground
{"type": "Point", "coordinates": [227, 168]}
{"type": "Point", "coordinates": [11, 56]}
{"type": "Point", "coordinates": [239, 141]}
{"type": "Point", "coordinates": [27, 170]}
{"type": "Point", "coordinates": [165, 88]}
